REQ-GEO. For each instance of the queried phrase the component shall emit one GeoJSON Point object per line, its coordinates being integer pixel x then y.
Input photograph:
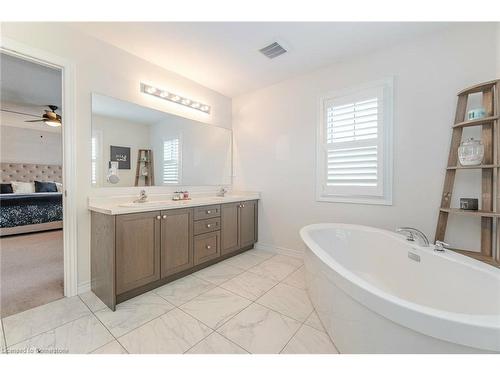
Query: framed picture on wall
{"type": "Point", "coordinates": [121, 155]}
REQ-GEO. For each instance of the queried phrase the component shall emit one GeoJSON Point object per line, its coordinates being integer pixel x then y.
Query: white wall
{"type": "Point", "coordinates": [118, 132]}
{"type": "Point", "coordinates": [275, 134]}
{"type": "Point", "coordinates": [20, 145]}
{"type": "Point", "coordinates": [107, 70]}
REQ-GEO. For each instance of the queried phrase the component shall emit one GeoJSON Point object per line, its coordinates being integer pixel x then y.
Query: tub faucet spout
{"type": "Point", "coordinates": [411, 233]}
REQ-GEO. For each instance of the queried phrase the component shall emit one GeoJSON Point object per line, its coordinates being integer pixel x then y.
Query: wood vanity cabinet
{"type": "Point", "coordinates": [137, 252]}
{"type": "Point", "coordinates": [176, 241]}
{"type": "Point", "coordinates": [238, 226]}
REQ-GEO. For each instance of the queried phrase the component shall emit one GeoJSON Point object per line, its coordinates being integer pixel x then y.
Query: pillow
{"type": "Point", "coordinates": [45, 187]}
{"type": "Point", "coordinates": [59, 187]}
{"type": "Point", "coordinates": [6, 189]}
{"type": "Point", "coordinates": [23, 187]}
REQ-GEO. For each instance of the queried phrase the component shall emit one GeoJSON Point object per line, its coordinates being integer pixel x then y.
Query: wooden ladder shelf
{"type": "Point", "coordinates": [490, 184]}
{"type": "Point", "coordinates": [144, 170]}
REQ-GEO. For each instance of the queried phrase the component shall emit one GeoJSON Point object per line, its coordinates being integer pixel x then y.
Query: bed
{"type": "Point", "coordinates": [34, 212]}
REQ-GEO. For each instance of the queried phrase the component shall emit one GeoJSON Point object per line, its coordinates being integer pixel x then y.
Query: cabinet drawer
{"type": "Point", "coordinates": [206, 247]}
{"type": "Point", "coordinates": [206, 212]}
{"type": "Point", "coordinates": [207, 225]}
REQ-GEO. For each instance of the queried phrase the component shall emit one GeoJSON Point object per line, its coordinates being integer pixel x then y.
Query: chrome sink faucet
{"type": "Point", "coordinates": [222, 191]}
{"type": "Point", "coordinates": [411, 233]}
{"type": "Point", "coordinates": [143, 197]}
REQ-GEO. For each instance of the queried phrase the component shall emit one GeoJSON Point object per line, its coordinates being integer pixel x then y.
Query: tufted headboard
{"type": "Point", "coordinates": [24, 172]}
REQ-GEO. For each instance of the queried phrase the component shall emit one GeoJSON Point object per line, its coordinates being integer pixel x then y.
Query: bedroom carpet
{"type": "Point", "coordinates": [31, 270]}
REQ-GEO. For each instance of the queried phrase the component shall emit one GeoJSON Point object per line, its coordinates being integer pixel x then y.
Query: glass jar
{"type": "Point", "coordinates": [471, 152]}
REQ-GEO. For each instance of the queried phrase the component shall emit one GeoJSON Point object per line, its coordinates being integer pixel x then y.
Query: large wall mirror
{"type": "Point", "coordinates": [137, 146]}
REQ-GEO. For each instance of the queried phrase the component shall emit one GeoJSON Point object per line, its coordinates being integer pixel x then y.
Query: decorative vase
{"type": "Point", "coordinates": [471, 152]}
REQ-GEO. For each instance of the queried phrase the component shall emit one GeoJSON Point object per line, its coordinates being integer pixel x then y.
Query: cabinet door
{"type": "Point", "coordinates": [229, 227]}
{"type": "Point", "coordinates": [248, 227]}
{"type": "Point", "coordinates": [137, 250]}
{"type": "Point", "coordinates": [176, 241]}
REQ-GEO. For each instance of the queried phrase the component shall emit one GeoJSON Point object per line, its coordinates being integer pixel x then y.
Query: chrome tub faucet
{"type": "Point", "coordinates": [411, 233]}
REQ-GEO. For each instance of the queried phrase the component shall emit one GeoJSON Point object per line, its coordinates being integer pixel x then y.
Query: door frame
{"type": "Point", "coordinates": [67, 67]}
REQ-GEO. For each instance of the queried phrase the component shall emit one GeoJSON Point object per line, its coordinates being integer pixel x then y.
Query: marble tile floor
{"type": "Point", "coordinates": [255, 303]}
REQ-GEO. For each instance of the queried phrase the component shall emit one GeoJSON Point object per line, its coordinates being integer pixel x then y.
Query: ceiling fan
{"type": "Point", "coordinates": [50, 117]}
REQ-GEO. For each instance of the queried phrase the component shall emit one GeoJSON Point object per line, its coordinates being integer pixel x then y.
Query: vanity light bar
{"type": "Point", "coordinates": [166, 95]}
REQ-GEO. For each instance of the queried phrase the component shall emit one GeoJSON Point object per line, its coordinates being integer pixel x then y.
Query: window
{"type": "Point", "coordinates": [355, 145]}
{"type": "Point", "coordinates": [94, 160]}
{"type": "Point", "coordinates": [171, 161]}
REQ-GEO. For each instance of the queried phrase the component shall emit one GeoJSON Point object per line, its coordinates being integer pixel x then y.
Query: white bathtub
{"type": "Point", "coordinates": [372, 298]}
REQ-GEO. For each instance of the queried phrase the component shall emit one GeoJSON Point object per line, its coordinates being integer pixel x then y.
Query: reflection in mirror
{"type": "Point", "coordinates": [137, 146]}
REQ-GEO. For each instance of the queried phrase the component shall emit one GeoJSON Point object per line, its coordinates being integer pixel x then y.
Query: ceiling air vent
{"type": "Point", "coordinates": [273, 50]}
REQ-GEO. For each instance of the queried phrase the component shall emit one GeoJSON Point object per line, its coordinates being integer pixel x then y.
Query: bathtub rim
{"type": "Point", "coordinates": [477, 330]}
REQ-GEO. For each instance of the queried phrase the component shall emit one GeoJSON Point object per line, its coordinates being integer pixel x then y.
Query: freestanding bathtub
{"type": "Point", "coordinates": [375, 292]}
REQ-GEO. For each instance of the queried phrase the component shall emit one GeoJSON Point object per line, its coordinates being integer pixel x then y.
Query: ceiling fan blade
{"type": "Point", "coordinates": [35, 120]}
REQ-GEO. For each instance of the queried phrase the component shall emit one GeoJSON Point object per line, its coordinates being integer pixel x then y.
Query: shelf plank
{"type": "Point", "coordinates": [477, 213]}
{"type": "Point", "coordinates": [481, 166]}
{"type": "Point", "coordinates": [476, 122]}
{"type": "Point", "coordinates": [478, 256]}
{"type": "Point", "coordinates": [478, 88]}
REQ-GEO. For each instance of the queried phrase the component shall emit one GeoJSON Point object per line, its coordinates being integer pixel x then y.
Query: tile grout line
{"type": "Point", "coordinates": [213, 330]}
{"type": "Point", "coordinates": [228, 339]}
{"type": "Point", "coordinates": [106, 328]}
{"type": "Point", "coordinates": [291, 338]}
{"type": "Point", "coordinates": [4, 351]}
{"type": "Point", "coordinates": [52, 329]}
{"type": "Point", "coordinates": [139, 326]}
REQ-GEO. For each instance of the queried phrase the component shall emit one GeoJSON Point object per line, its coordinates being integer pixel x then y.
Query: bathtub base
{"type": "Point", "coordinates": [356, 329]}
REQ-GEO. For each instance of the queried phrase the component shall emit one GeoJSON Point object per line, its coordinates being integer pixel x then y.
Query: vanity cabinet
{"type": "Point", "coordinates": [133, 253]}
{"type": "Point", "coordinates": [137, 250]}
{"type": "Point", "coordinates": [176, 241]}
{"type": "Point", "coordinates": [238, 226]}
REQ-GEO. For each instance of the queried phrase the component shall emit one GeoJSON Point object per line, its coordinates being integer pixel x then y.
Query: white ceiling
{"type": "Point", "coordinates": [225, 57]}
{"type": "Point", "coordinates": [29, 84]}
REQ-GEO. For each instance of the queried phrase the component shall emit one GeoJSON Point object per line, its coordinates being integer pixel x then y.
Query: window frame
{"type": "Point", "coordinates": [382, 195]}
{"type": "Point", "coordinates": [97, 134]}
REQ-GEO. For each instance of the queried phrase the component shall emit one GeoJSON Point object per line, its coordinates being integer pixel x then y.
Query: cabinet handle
{"type": "Point", "coordinates": [164, 216]}
{"type": "Point", "coordinates": [158, 217]}
{"type": "Point", "coordinates": [209, 212]}
{"type": "Point", "coordinates": [242, 205]}
{"type": "Point", "coordinates": [208, 247]}
{"type": "Point", "coordinates": [209, 225]}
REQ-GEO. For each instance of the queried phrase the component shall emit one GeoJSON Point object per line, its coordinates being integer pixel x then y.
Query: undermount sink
{"type": "Point", "coordinates": [145, 204]}
{"type": "Point", "coordinates": [172, 202]}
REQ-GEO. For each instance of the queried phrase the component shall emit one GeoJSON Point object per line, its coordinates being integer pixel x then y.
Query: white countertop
{"type": "Point", "coordinates": [124, 204]}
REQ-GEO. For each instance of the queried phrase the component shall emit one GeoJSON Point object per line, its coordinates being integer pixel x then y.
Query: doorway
{"type": "Point", "coordinates": [38, 258]}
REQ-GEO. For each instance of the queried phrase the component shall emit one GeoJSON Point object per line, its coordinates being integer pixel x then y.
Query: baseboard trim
{"type": "Point", "coordinates": [279, 250]}
{"type": "Point", "coordinates": [84, 287]}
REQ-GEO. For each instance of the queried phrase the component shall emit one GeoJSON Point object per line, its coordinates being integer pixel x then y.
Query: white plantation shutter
{"type": "Point", "coordinates": [352, 166]}
{"type": "Point", "coordinates": [171, 161]}
{"type": "Point", "coordinates": [353, 155]}
{"type": "Point", "coordinates": [94, 154]}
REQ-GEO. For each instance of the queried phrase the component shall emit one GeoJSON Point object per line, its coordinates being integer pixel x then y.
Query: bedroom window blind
{"type": "Point", "coordinates": [354, 156]}
{"type": "Point", "coordinates": [171, 163]}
